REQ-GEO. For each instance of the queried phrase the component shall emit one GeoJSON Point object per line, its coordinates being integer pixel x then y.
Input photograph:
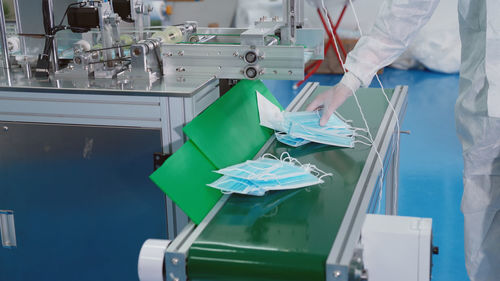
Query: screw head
{"type": "Point", "coordinates": [5, 128]}
{"type": "Point", "coordinates": [175, 261]}
{"type": "Point", "coordinates": [337, 274]}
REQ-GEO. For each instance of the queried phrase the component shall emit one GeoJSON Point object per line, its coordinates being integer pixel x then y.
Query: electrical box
{"type": "Point", "coordinates": [397, 248]}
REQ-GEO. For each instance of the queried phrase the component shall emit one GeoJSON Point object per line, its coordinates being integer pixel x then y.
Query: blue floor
{"type": "Point", "coordinates": [431, 162]}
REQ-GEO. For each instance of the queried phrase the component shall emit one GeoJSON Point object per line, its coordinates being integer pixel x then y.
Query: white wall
{"type": "Point", "coordinates": [204, 12]}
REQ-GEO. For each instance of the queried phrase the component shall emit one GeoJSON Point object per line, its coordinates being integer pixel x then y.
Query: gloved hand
{"type": "Point", "coordinates": [334, 97]}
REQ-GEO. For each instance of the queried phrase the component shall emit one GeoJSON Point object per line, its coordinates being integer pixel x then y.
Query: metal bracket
{"type": "Point", "coordinates": [158, 159]}
{"type": "Point", "coordinates": [175, 265]}
{"type": "Point", "coordinates": [7, 229]}
{"type": "Point", "coordinates": [226, 84]}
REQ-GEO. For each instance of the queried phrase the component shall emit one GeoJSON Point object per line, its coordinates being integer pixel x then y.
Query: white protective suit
{"type": "Point", "coordinates": [477, 109]}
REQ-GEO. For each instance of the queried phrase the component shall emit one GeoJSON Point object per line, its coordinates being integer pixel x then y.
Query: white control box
{"type": "Point", "coordinates": [397, 248]}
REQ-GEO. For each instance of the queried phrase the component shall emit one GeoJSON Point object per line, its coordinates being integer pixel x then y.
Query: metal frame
{"type": "Point", "coordinates": [169, 114]}
{"type": "Point", "coordinates": [341, 254]}
{"type": "Point", "coordinates": [3, 38]}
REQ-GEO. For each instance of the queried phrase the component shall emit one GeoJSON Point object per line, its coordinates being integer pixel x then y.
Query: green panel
{"type": "Point", "coordinates": [287, 235]}
{"type": "Point", "coordinates": [183, 177]}
{"type": "Point", "coordinates": [228, 132]}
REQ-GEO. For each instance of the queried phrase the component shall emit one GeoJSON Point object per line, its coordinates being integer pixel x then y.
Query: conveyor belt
{"type": "Point", "coordinates": [288, 235]}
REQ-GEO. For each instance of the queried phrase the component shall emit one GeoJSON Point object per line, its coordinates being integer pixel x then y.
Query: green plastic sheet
{"type": "Point", "coordinates": [183, 177]}
{"type": "Point", "coordinates": [226, 133]}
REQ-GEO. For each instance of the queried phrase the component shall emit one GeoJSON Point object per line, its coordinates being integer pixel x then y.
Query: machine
{"type": "Point", "coordinates": [100, 63]}
{"type": "Point", "coordinates": [87, 63]}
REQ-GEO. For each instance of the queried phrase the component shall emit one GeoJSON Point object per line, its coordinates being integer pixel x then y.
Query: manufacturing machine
{"type": "Point", "coordinates": [106, 47]}
{"type": "Point", "coordinates": [99, 63]}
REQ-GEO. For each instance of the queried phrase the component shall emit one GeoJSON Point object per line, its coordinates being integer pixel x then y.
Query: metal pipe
{"type": "Point", "coordinates": [3, 30]}
{"type": "Point", "coordinates": [25, 64]}
{"type": "Point", "coordinates": [55, 56]}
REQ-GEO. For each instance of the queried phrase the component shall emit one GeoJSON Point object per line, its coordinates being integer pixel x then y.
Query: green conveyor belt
{"type": "Point", "coordinates": [287, 235]}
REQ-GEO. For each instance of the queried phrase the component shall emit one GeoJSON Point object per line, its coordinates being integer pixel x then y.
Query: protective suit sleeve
{"type": "Point", "coordinates": [397, 24]}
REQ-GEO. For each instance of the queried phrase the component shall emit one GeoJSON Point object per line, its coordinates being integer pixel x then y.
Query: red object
{"type": "Point", "coordinates": [312, 68]}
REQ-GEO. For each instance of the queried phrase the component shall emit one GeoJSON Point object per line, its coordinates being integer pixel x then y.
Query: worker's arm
{"type": "Point", "coordinates": [397, 24]}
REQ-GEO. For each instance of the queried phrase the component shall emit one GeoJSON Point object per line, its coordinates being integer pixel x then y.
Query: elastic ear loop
{"type": "Point", "coordinates": [342, 117]}
{"type": "Point", "coordinates": [266, 155]}
{"type": "Point", "coordinates": [363, 137]}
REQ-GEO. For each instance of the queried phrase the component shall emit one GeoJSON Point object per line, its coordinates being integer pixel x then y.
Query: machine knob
{"type": "Point", "coordinates": [251, 57]}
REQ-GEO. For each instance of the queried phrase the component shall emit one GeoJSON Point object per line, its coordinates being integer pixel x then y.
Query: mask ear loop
{"type": "Point", "coordinates": [269, 156]}
{"type": "Point", "coordinates": [362, 142]}
{"type": "Point", "coordinates": [363, 137]}
{"type": "Point", "coordinates": [319, 172]}
{"type": "Point", "coordinates": [342, 117]}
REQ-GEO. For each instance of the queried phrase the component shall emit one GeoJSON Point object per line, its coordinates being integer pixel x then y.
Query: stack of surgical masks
{"type": "Point", "coordinates": [299, 128]}
{"type": "Point", "coordinates": [256, 177]}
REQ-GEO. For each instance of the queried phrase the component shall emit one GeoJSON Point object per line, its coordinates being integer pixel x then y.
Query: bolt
{"type": "Point", "coordinates": [175, 261]}
{"type": "Point", "coordinates": [137, 52]}
{"type": "Point", "coordinates": [275, 71]}
{"type": "Point", "coordinates": [169, 54]}
{"type": "Point", "coordinates": [236, 54]}
{"type": "Point", "coordinates": [337, 274]}
{"type": "Point", "coordinates": [180, 53]}
{"type": "Point", "coordinates": [5, 128]}
{"type": "Point", "coordinates": [176, 279]}
{"type": "Point", "coordinates": [290, 72]}
{"type": "Point", "coordinates": [180, 69]}
{"type": "Point", "coordinates": [219, 67]}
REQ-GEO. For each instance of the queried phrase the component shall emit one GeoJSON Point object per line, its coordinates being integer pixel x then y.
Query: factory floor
{"type": "Point", "coordinates": [431, 162]}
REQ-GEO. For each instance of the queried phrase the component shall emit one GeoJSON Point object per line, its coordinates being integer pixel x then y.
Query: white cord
{"type": "Point", "coordinates": [381, 86]}
{"type": "Point", "coordinates": [330, 27]}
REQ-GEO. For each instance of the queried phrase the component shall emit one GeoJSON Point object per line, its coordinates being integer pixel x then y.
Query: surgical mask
{"type": "Point", "coordinates": [288, 140]}
{"type": "Point", "coordinates": [230, 185]}
{"type": "Point", "coordinates": [255, 177]}
{"type": "Point", "coordinates": [340, 138]}
{"type": "Point", "coordinates": [263, 169]}
{"type": "Point", "coordinates": [312, 119]}
{"type": "Point", "coordinates": [305, 125]}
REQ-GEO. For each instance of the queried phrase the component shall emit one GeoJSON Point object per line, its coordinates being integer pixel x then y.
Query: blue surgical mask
{"type": "Point", "coordinates": [305, 125]}
{"type": "Point", "coordinates": [341, 138]}
{"type": "Point", "coordinates": [255, 177]}
{"type": "Point", "coordinates": [263, 168]}
{"type": "Point", "coordinates": [288, 140]}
